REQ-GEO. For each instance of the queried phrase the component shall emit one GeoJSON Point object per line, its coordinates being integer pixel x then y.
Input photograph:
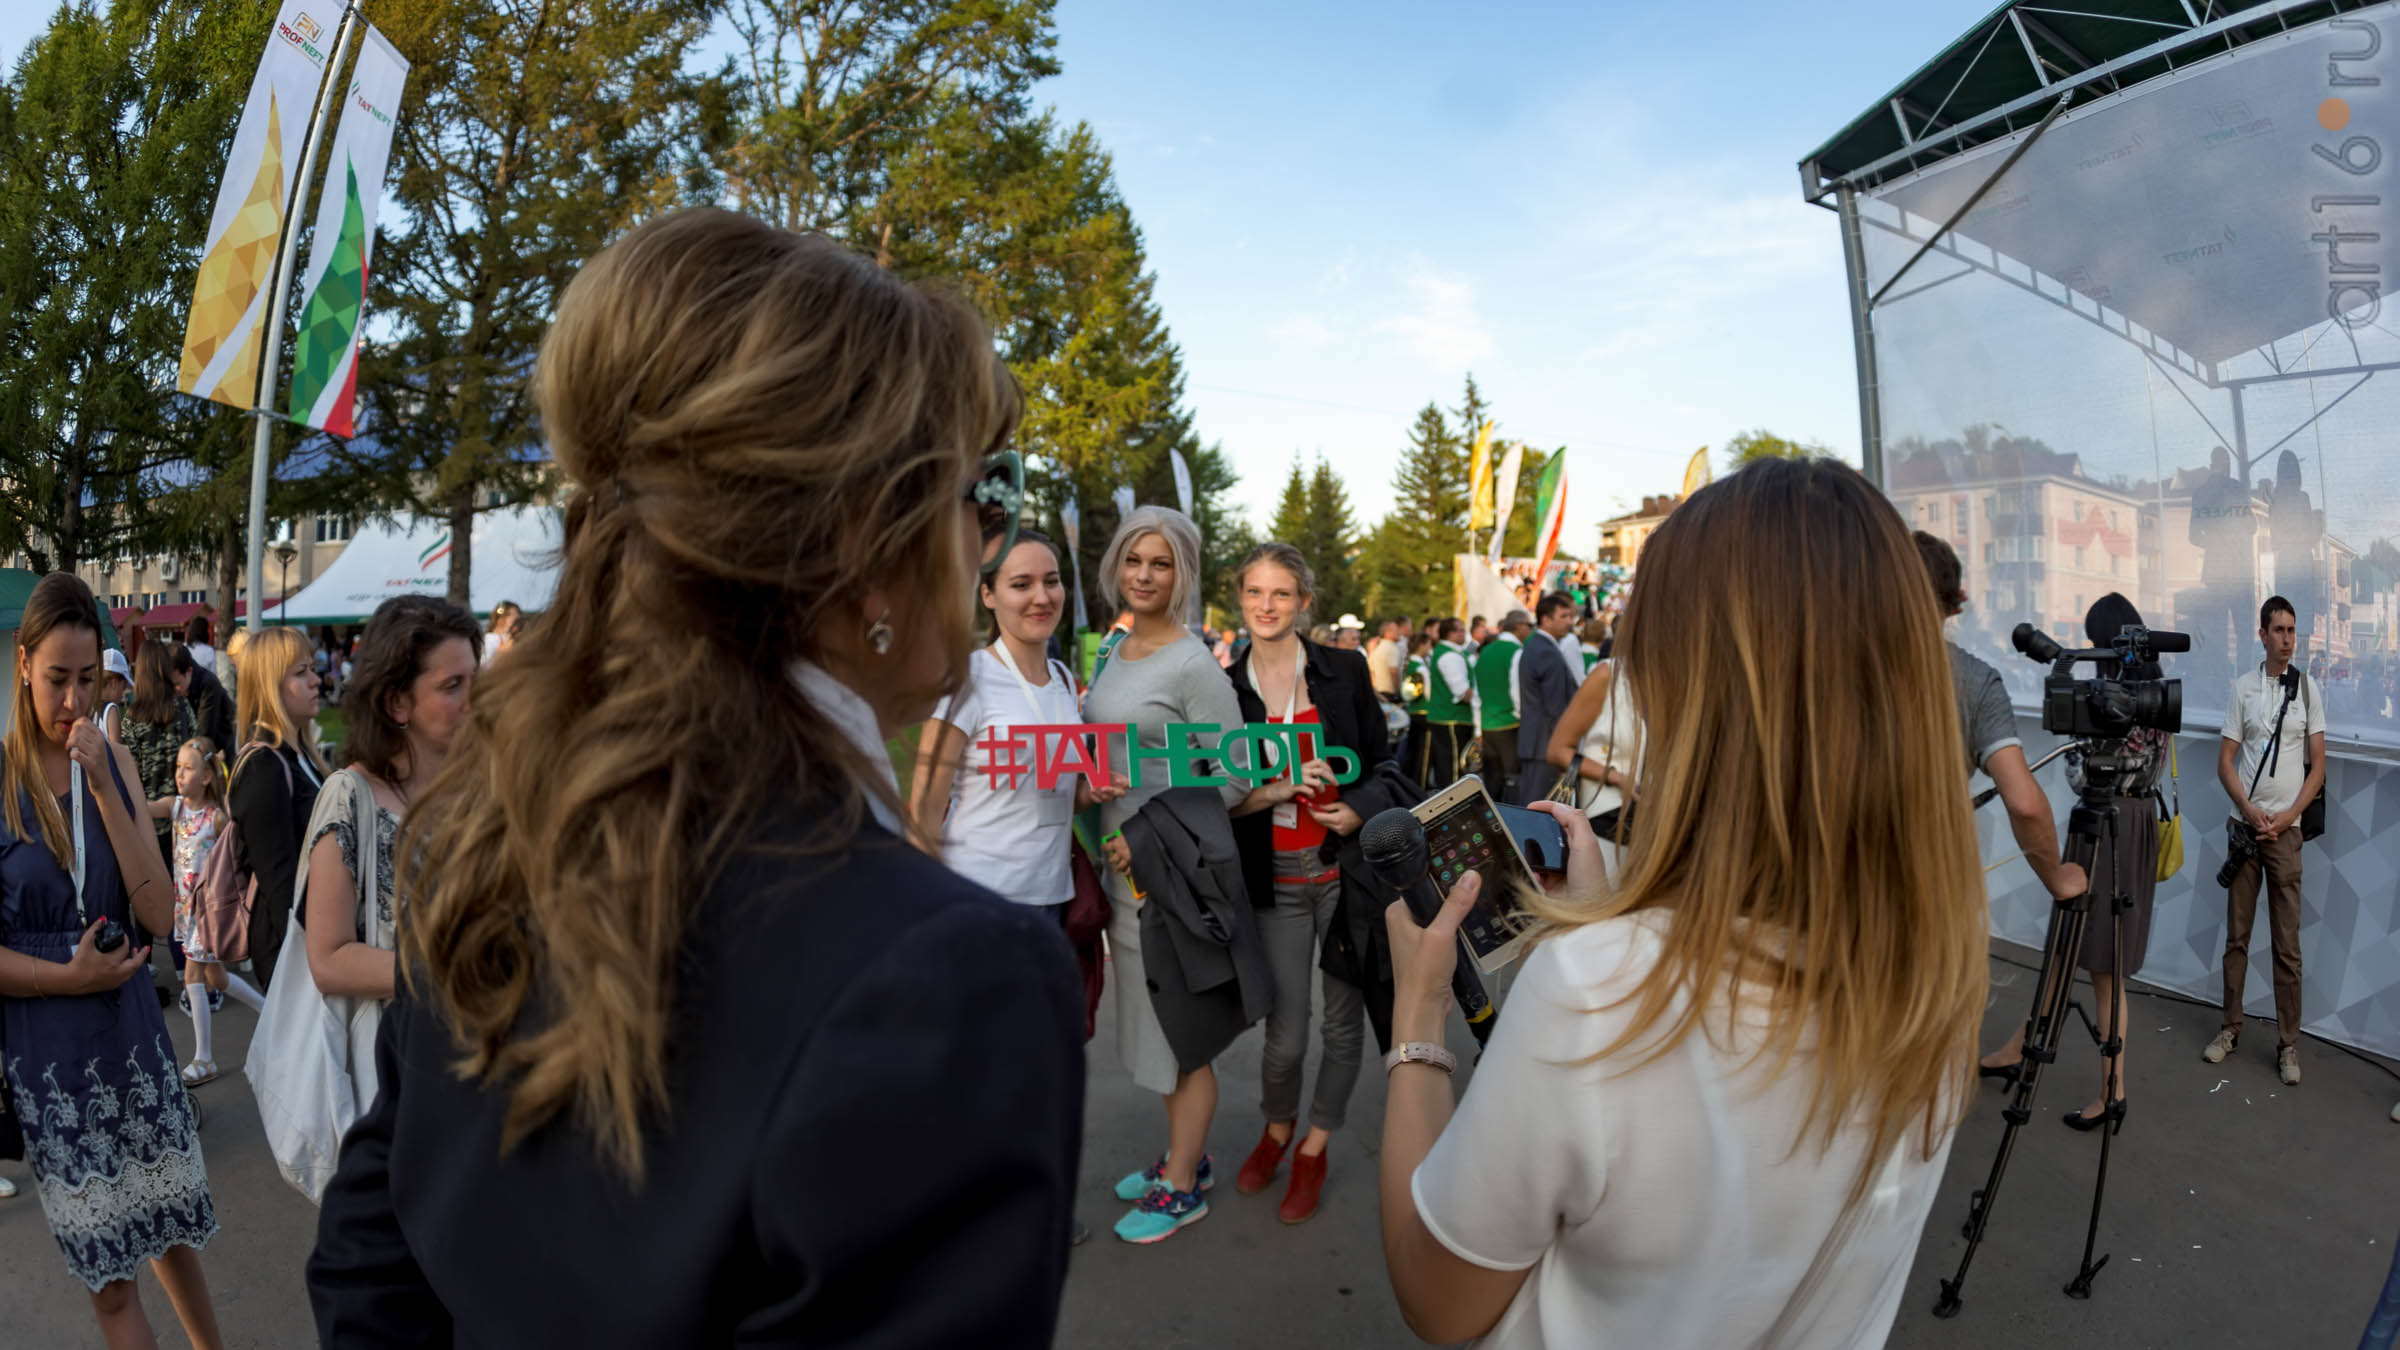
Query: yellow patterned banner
{"type": "Point", "coordinates": [221, 340]}
{"type": "Point", "coordinates": [1479, 480]}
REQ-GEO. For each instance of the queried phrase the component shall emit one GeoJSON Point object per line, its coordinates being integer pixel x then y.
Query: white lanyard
{"type": "Point", "coordinates": [1024, 686]}
{"type": "Point", "coordinates": [1299, 670]}
{"type": "Point", "coordinates": [1286, 814]}
{"type": "Point", "coordinates": [75, 809]}
{"type": "Point", "coordinates": [307, 769]}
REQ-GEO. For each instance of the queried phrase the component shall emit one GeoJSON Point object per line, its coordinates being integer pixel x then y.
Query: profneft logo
{"type": "Point", "coordinates": [2353, 287]}
{"type": "Point", "coordinates": [303, 32]}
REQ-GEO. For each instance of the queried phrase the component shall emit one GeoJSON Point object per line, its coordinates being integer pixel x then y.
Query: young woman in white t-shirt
{"type": "Point", "coordinates": [1721, 1092]}
{"type": "Point", "coordinates": [1012, 838]}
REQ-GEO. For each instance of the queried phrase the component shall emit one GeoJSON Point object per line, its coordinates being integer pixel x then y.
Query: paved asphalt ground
{"type": "Point", "coordinates": [2240, 1214]}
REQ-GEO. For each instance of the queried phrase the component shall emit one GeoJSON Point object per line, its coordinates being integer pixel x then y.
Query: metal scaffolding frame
{"type": "Point", "coordinates": [2061, 72]}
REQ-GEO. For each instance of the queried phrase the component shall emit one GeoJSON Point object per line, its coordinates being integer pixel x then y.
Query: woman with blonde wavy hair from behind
{"type": "Point", "coordinates": [1721, 1095]}
{"type": "Point", "coordinates": [277, 773]}
{"type": "Point", "coordinates": [691, 1047]}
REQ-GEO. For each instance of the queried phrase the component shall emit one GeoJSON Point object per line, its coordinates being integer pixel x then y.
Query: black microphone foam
{"type": "Point", "coordinates": [1393, 843]}
{"type": "Point", "coordinates": [2164, 641]}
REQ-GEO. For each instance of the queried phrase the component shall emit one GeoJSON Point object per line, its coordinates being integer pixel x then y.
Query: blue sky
{"type": "Point", "coordinates": [1593, 207]}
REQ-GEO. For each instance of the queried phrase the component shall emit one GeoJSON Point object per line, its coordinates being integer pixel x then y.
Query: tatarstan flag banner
{"type": "Point", "coordinates": [325, 359]}
{"type": "Point", "coordinates": [229, 300]}
{"type": "Point", "coordinates": [1550, 505]}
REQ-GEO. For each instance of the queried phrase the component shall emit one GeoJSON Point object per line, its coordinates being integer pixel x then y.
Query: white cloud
{"type": "Point", "coordinates": [1303, 332]}
{"type": "Point", "coordinates": [1443, 328]}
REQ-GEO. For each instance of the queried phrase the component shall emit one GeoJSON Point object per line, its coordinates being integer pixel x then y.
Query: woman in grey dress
{"type": "Point", "coordinates": [1156, 674]}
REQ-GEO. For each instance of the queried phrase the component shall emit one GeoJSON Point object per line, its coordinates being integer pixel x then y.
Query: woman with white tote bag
{"type": "Point", "coordinates": [312, 1061]}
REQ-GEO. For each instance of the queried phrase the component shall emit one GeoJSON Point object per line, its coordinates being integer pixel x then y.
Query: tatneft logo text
{"type": "Point", "coordinates": [2354, 285]}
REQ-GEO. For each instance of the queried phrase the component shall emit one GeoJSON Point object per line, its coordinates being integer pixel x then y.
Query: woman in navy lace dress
{"type": "Point", "coordinates": [109, 1132]}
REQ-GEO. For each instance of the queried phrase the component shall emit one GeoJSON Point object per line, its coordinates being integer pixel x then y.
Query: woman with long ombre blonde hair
{"type": "Point", "coordinates": [1721, 1094]}
{"type": "Point", "coordinates": [277, 773]}
{"type": "Point", "coordinates": [678, 1000]}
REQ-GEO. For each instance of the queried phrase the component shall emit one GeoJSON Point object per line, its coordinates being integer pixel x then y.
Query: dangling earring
{"type": "Point", "coordinates": [879, 634]}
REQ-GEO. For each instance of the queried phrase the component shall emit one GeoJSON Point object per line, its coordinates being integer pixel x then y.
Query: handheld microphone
{"type": "Point", "coordinates": [1393, 843]}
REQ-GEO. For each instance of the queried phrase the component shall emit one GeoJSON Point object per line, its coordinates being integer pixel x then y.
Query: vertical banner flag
{"type": "Point", "coordinates": [1070, 522]}
{"type": "Point", "coordinates": [237, 264]}
{"type": "Point", "coordinates": [1479, 479]}
{"type": "Point", "coordinates": [1511, 465]}
{"type": "Point", "coordinates": [325, 359]}
{"type": "Point", "coordinates": [1550, 505]}
{"type": "Point", "coordinates": [1124, 500]}
{"type": "Point", "coordinates": [1183, 479]}
{"type": "Point", "coordinates": [1696, 473]}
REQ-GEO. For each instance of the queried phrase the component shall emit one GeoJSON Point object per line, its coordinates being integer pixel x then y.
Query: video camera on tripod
{"type": "Point", "coordinates": [2101, 713]}
{"type": "Point", "coordinates": [2105, 708]}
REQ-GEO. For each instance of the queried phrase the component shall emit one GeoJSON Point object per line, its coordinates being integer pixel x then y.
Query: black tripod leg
{"type": "Point", "coordinates": [2112, 1052]}
{"type": "Point", "coordinates": [2068, 919]}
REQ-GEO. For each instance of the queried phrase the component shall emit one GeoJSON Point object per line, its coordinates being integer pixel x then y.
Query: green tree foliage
{"type": "Point", "coordinates": [1332, 544]}
{"type": "Point", "coordinates": [840, 94]}
{"type": "Point", "coordinates": [1761, 443]}
{"type": "Point", "coordinates": [903, 127]}
{"type": "Point", "coordinates": [1315, 517]}
{"type": "Point", "coordinates": [531, 135]}
{"type": "Point", "coordinates": [1408, 560]}
{"type": "Point", "coordinates": [1291, 512]}
{"type": "Point", "coordinates": [113, 129]}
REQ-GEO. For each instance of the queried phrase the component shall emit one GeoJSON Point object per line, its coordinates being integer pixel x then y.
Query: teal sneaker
{"type": "Point", "coordinates": [1160, 1214]}
{"type": "Point", "coordinates": [1138, 1184]}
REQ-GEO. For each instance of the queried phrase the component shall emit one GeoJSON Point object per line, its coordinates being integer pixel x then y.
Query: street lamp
{"type": "Point", "coordinates": [285, 551]}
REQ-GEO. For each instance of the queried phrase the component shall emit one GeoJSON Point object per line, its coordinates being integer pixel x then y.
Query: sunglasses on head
{"type": "Point", "coordinates": [998, 496]}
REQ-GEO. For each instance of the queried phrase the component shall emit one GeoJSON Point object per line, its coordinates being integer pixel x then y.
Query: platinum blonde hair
{"type": "Point", "coordinates": [1183, 541]}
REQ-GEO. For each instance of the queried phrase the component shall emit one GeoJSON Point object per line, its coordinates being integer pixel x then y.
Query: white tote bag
{"type": "Point", "coordinates": [312, 1060]}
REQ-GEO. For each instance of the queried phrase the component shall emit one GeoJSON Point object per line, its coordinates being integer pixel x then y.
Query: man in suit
{"type": "Point", "coordinates": [1545, 685]}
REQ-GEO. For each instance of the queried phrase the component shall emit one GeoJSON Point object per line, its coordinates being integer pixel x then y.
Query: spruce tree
{"type": "Point", "coordinates": [1291, 513]}
{"type": "Point", "coordinates": [1427, 526]}
{"type": "Point", "coordinates": [1331, 543]}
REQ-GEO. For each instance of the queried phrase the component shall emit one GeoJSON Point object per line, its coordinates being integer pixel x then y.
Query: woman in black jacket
{"type": "Point", "coordinates": [1292, 860]}
{"type": "Point", "coordinates": [276, 774]}
{"type": "Point", "coordinates": [691, 1047]}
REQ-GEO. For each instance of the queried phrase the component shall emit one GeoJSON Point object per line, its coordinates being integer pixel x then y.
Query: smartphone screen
{"type": "Point", "coordinates": [1464, 833]}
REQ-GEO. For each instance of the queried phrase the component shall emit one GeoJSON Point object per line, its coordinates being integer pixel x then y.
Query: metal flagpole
{"type": "Point", "coordinates": [261, 445]}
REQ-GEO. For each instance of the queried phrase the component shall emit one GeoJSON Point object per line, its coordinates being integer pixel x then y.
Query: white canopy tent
{"type": "Point", "coordinates": [514, 558]}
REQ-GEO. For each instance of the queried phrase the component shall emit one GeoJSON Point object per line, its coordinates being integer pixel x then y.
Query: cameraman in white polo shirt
{"type": "Point", "coordinates": [2272, 765]}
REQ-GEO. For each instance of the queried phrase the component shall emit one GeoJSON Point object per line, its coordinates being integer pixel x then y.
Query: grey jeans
{"type": "Point", "coordinates": [1294, 933]}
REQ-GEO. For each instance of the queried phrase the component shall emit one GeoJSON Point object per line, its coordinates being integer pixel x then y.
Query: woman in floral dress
{"type": "Point", "coordinates": [109, 1130]}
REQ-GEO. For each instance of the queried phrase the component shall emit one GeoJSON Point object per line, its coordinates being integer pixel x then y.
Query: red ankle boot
{"type": "Point", "coordinates": [1264, 1162]}
{"type": "Point", "coordinates": [1308, 1182]}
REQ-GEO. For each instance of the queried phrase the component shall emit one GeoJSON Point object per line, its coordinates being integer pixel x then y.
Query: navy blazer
{"type": "Point", "coordinates": [875, 1105]}
{"type": "Point", "coordinates": [1544, 689]}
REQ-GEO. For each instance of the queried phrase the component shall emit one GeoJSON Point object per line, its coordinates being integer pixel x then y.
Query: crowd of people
{"type": "Point", "coordinates": [645, 959]}
{"type": "Point", "coordinates": [215, 821]}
